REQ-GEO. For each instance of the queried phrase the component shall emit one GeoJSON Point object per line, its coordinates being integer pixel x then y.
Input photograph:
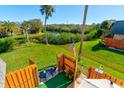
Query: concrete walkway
{"type": "Point", "coordinates": [76, 83]}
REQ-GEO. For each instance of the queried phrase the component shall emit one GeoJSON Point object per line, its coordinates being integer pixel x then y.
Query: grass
{"type": "Point", "coordinates": [93, 55]}
{"type": "Point", "coordinates": [30, 35]}
{"type": "Point", "coordinates": [59, 81]}
{"type": "Point", "coordinates": [112, 60]}
{"type": "Point", "coordinates": [41, 54]}
{"type": "Point", "coordinates": [45, 55]}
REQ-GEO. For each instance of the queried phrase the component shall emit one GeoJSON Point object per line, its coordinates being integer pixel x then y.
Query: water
{"type": "Point", "coordinates": [54, 32]}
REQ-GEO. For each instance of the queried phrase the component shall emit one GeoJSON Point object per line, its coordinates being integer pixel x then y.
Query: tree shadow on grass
{"type": "Point", "coordinates": [101, 46]}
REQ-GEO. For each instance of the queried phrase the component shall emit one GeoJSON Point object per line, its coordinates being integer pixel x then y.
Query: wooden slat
{"type": "Point", "coordinates": [118, 82]}
{"type": "Point", "coordinates": [28, 77]}
{"type": "Point", "coordinates": [94, 75]}
{"type": "Point", "coordinates": [6, 84]}
{"type": "Point", "coordinates": [20, 79]}
{"type": "Point", "coordinates": [24, 77]}
{"type": "Point", "coordinates": [107, 76]}
{"type": "Point", "coordinates": [91, 75]}
{"type": "Point", "coordinates": [10, 81]}
{"type": "Point", "coordinates": [113, 79]}
{"type": "Point", "coordinates": [15, 79]}
{"type": "Point", "coordinates": [70, 63]}
{"type": "Point", "coordinates": [122, 84]}
{"type": "Point", "coordinates": [31, 75]}
{"type": "Point", "coordinates": [35, 75]}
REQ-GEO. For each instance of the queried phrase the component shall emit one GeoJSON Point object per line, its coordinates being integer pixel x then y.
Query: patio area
{"type": "Point", "coordinates": [58, 81]}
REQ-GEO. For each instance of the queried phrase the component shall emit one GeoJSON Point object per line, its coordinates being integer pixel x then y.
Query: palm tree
{"type": "Point", "coordinates": [46, 10]}
{"type": "Point", "coordinates": [25, 27]}
{"type": "Point", "coordinates": [82, 33]}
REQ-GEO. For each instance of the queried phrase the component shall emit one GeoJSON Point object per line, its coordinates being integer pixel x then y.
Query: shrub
{"type": "Point", "coordinates": [18, 37]}
{"type": "Point", "coordinates": [35, 41]}
{"type": "Point", "coordinates": [3, 34]}
{"type": "Point", "coordinates": [64, 28]}
{"type": "Point", "coordinates": [6, 44]}
{"type": "Point", "coordinates": [63, 38]}
{"type": "Point", "coordinates": [21, 41]}
{"type": "Point", "coordinates": [90, 36]}
{"type": "Point", "coordinates": [37, 37]}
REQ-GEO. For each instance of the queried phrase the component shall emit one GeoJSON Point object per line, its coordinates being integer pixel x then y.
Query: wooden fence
{"type": "Point", "coordinates": [92, 74]}
{"type": "Point", "coordinates": [23, 78]}
{"type": "Point", "coordinates": [65, 62]}
{"type": "Point", "coordinates": [114, 43]}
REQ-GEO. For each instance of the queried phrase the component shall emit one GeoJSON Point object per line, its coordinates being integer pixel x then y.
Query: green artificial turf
{"type": "Point", "coordinates": [59, 81]}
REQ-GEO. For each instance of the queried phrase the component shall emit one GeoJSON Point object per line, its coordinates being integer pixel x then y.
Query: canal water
{"type": "Point", "coordinates": [54, 32]}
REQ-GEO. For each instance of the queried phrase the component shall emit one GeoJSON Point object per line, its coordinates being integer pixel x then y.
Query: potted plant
{"type": "Point", "coordinates": [67, 72]}
{"type": "Point", "coordinates": [70, 74]}
{"type": "Point", "coordinates": [78, 73]}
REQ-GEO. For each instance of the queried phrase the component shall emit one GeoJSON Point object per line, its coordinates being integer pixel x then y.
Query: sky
{"type": "Point", "coordinates": [63, 14]}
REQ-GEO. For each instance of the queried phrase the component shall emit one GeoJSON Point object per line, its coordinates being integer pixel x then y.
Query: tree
{"type": "Point", "coordinates": [105, 24]}
{"type": "Point", "coordinates": [82, 33]}
{"type": "Point", "coordinates": [13, 28]}
{"type": "Point", "coordinates": [104, 28]}
{"type": "Point", "coordinates": [26, 27]}
{"type": "Point", "coordinates": [10, 27]}
{"type": "Point", "coordinates": [3, 32]}
{"type": "Point", "coordinates": [37, 25]}
{"type": "Point", "coordinates": [3, 29]}
{"type": "Point", "coordinates": [46, 10]}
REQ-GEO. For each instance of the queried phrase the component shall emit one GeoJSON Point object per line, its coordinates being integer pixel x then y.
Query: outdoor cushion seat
{"type": "Point", "coordinates": [52, 70]}
{"type": "Point", "coordinates": [47, 74]}
{"type": "Point", "coordinates": [42, 75]}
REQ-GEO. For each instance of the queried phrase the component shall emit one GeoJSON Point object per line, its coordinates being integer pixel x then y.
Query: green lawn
{"type": "Point", "coordinates": [59, 81]}
{"type": "Point", "coordinates": [112, 60]}
{"type": "Point", "coordinates": [30, 35]}
{"type": "Point", "coordinates": [44, 55]}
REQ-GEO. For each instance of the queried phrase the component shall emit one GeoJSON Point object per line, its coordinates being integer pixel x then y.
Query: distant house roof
{"type": "Point", "coordinates": [117, 28]}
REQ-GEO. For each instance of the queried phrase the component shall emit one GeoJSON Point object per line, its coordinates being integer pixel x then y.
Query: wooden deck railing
{"type": "Point", "coordinates": [92, 74]}
{"type": "Point", "coordinates": [23, 78]}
